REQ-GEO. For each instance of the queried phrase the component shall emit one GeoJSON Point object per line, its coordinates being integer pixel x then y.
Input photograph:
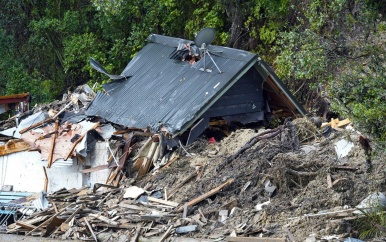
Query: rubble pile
{"type": "Point", "coordinates": [290, 183]}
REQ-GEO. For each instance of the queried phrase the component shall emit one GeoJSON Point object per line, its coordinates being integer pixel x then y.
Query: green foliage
{"type": "Point", "coordinates": [302, 55]}
{"type": "Point", "coordinates": [360, 93]}
{"type": "Point", "coordinates": [373, 224]}
{"type": "Point", "coordinates": [45, 46]}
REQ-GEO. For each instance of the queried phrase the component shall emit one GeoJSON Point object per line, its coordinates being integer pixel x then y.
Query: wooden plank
{"type": "Point", "coordinates": [166, 234]}
{"type": "Point", "coordinates": [120, 226]}
{"type": "Point", "coordinates": [95, 168]}
{"type": "Point", "coordinates": [25, 225]}
{"type": "Point", "coordinates": [343, 122]}
{"type": "Point", "coordinates": [206, 195]}
{"type": "Point", "coordinates": [45, 179]}
{"type": "Point", "coordinates": [48, 220]}
{"type": "Point", "coordinates": [36, 125]}
{"type": "Point", "coordinates": [51, 154]}
{"type": "Point", "coordinates": [169, 203]}
{"type": "Point", "coordinates": [254, 239]}
{"type": "Point", "coordinates": [78, 141]}
{"type": "Point", "coordinates": [13, 146]}
{"type": "Point", "coordinates": [103, 219]}
{"type": "Point", "coordinates": [89, 227]}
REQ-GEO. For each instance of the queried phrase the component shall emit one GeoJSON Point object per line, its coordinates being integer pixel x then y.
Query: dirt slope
{"type": "Point", "coordinates": [299, 161]}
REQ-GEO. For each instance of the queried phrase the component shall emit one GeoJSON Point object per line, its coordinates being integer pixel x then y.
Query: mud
{"type": "Point", "coordinates": [298, 162]}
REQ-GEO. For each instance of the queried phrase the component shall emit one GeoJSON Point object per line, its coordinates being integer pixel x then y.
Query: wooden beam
{"type": "Point", "coordinates": [25, 225]}
{"type": "Point", "coordinates": [49, 219]}
{"type": "Point", "coordinates": [95, 168]}
{"type": "Point", "coordinates": [166, 234]}
{"type": "Point", "coordinates": [206, 195]}
{"type": "Point", "coordinates": [45, 179]}
{"type": "Point", "coordinates": [13, 146]}
{"type": "Point", "coordinates": [168, 203]}
{"type": "Point", "coordinates": [89, 227]}
{"type": "Point", "coordinates": [51, 154]}
{"type": "Point", "coordinates": [36, 125]}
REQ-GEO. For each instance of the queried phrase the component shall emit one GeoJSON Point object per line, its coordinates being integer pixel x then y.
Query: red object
{"type": "Point", "coordinates": [211, 140]}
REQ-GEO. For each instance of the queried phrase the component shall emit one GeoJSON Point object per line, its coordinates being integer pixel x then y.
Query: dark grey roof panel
{"type": "Point", "coordinates": [164, 91]}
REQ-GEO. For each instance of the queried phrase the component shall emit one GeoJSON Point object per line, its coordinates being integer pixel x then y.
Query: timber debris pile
{"type": "Point", "coordinates": [292, 182]}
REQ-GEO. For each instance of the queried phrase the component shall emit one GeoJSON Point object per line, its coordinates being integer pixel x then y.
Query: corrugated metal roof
{"type": "Point", "coordinates": [163, 91]}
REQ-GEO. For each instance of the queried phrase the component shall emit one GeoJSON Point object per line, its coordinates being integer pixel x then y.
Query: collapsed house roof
{"type": "Point", "coordinates": [155, 90]}
{"type": "Point", "coordinates": [17, 102]}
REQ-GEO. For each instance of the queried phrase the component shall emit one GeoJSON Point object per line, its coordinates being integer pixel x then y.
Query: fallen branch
{"type": "Point", "coordinates": [301, 173]}
{"type": "Point", "coordinates": [263, 135]}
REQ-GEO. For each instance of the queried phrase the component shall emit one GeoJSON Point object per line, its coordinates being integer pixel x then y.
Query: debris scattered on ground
{"type": "Point", "coordinates": [294, 182]}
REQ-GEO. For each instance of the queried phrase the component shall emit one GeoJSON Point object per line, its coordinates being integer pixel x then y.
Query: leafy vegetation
{"type": "Point", "coordinates": [322, 49]}
{"type": "Point", "coordinates": [372, 223]}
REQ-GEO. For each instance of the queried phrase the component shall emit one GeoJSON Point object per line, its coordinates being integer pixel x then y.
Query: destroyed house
{"type": "Point", "coordinates": [160, 89]}
{"type": "Point", "coordinates": [17, 102]}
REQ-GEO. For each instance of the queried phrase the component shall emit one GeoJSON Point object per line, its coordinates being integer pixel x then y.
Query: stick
{"type": "Point", "coordinates": [206, 195]}
{"type": "Point", "coordinates": [45, 179]}
{"type": "Point", "coordinates": [89, 227]}
{"type": "Point", "coordinates": [329, 181]}
{"type": "Point", "coordinates": [25, 225]}
{"type": "Point", "coordinates": [263, 135]}
{"type": "Point", "coordinates": [62, 110]}
{"type": "Point", "coordinates": [104, 199]}
{"type": "Point", "coordinates": [166, 234]}
{"type": "Point", "coordinates": [301, 173]}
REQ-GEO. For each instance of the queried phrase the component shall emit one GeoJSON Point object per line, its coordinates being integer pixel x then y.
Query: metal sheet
{"type": "Point", "coordinates": [163, 91]}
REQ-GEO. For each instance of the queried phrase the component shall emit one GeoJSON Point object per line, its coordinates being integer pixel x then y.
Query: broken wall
{"type": "Point", "coordinates": [24, 170]}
